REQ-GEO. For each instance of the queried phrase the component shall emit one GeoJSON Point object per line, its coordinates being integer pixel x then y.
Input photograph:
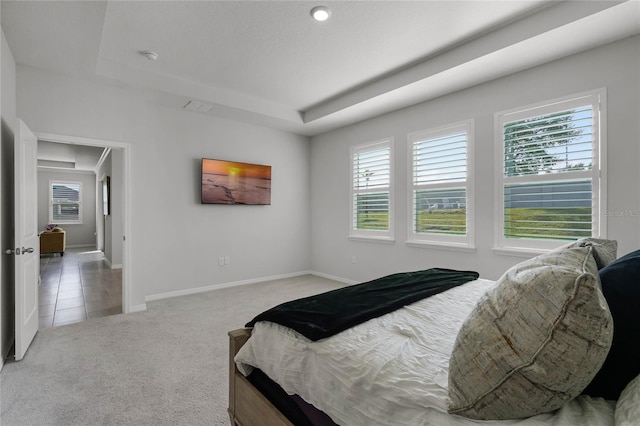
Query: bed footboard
{"type": "Point", "coordinates": [247, 406]}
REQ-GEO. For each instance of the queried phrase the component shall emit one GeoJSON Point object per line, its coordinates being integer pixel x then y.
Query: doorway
{"type": "Point", "coordinates": [92, 282]}
{"type": "Point", "coordinates": [76, 287]}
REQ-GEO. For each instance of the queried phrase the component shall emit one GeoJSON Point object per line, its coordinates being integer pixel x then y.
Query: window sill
{"type": "Point", "coordinates": [365, 239]}
{"type": "Point", "coordinates": [519, 252]}
{"type": "Point", "coordinates": [442, 246]}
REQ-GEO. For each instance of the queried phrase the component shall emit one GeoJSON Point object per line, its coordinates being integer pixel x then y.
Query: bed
{"type": "Point", "coordinates": [403, 367]}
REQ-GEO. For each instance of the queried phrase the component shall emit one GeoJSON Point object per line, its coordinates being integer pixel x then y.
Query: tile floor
{"type": "Point", "coordinates": [77, 286]}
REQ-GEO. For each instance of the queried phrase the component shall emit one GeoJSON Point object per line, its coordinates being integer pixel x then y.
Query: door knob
{"type": "Point", "coordinates": [27, 250]}
{"type": "Point", "coordinates": [10, 251]}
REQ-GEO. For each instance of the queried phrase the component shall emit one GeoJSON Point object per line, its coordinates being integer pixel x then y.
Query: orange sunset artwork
{"type": "Point", "coordinates": [229, 182]}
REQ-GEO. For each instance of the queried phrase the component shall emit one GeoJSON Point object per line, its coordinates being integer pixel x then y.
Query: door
{"type": "Point", "coordinates": [27, 251]}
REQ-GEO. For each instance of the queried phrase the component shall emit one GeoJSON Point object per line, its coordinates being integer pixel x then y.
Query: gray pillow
{"type": "Point", "coordinates": [604, 251]}
{"type": "Point", "coordinates": [534, 341]}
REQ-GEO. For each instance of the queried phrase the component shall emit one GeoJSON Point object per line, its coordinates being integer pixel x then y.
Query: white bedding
{"type": "Point", "coordinates": [390, 370]}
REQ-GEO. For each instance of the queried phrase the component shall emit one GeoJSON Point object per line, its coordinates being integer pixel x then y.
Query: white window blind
{"type": "Point", "coordinates": [441, 195]}
{"type": "Point", "coordinates": [371, 189]}
{"type": "Point", "coordinates": [550, 177]}
{"type": "Point", "coordinates": [65, 204]}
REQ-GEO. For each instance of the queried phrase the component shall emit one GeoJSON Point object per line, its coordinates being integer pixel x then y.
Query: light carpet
{"type": "Point", "coordinates": [167, 365]}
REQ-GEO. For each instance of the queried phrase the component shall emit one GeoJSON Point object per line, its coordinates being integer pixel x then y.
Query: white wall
{"type": "Point", "coordinates": [116, 219]}
{"type": "Point", "coordinates": [615, 66]}
{"type": "Point", "coordinates": [77, 235]}
{"type": "Point", "coordinates": [103, 171]}
{"type": "Point", "coordinates": [112, 225]}
{"type": "Point", "coordinates": [175, 241]}
{"type": "Point", "coordinates": [103, 224]}
{"type": "Point", "coordinates": [8, 114]}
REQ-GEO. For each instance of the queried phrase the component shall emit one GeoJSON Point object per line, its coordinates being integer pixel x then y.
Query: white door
{"type": "Point", "coordinates": [27, 243]}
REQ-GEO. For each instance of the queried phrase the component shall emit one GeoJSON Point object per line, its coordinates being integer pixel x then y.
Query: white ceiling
{"type": "Point", "coordinates": [268, 62]}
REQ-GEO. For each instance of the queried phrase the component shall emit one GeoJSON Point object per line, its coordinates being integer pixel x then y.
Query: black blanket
{"type": "Point", "coordinates": [326, 314]}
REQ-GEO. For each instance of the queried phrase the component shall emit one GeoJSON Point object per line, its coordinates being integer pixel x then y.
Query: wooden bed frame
{"type": "Point", "coordinates": [247, 406]}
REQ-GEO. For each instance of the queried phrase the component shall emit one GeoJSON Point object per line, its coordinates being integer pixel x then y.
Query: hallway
{"type": "Point", "coordinates": [76, 287]}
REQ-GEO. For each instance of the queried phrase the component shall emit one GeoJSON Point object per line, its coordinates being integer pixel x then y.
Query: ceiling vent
{"type": "Point", "coordinates": [57, 164]}
{"type": "Point", "coordinates": [196, 106]}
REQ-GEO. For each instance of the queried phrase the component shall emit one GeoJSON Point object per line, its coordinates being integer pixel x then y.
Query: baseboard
{"type": "Point", "coordinates": [334, 278]}
{"type": "Point", "coordinates": [189, 291]}
{"type": "Point", "coordinates": [112, 265]}
{"type": "Point", "coordinates": [222, 285]}
{"type": "Point", "coordinates": [93, 246]}
{"type": "Point", "coordinates": [137, 308]}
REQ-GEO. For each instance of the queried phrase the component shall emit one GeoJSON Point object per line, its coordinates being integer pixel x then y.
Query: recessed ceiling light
{"type": "Point", "coordinates": [320, 13]}
{"type": "Point", "coordinates": [151, 56]}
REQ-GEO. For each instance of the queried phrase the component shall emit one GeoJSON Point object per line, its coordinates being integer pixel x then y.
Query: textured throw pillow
{"type": "Point", "coordinates": [621, 288]}
{"type": "Point", "coordinates": [534, 341]}
{"type": "Point", "coordinates": [628, 406]}
{"type": "Point", "coordinates": [604, 251]}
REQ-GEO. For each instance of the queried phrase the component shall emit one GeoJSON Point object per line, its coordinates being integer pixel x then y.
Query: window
{"type": "Point", "coordinates": [371, 198]}
{"type": "Point", "coordinates": [549, 175]}
{"type": "Point", "coordinates": [441, 201]}
{"type": "Point", "coordinates": [65, 202]}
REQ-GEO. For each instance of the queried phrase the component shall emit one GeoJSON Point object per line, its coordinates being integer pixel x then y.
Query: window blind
{"type": "Point", "coordinates": [65, 202]}
{"type": "Point", "coordinates": [371, 182]}
{"type": "Point", "coordinates": [555, 143]}
{"type": "Point", "coordinates": [549, 189]}
{"type": "Point", "coordinates": [439, 167]}
{"type": "Point", "coordinates": [553, 210]}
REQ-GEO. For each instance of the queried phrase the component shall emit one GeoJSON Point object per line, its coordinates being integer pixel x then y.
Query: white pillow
{"type": "Point", "coordinates": [628, 406]}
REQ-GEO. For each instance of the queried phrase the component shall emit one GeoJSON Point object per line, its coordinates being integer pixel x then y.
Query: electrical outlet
{"type": "Point", "coordinates": [227, 260]}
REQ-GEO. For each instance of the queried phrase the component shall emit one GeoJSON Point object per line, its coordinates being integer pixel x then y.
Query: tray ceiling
{"type": "Point", "coordinates": [269, 63]}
